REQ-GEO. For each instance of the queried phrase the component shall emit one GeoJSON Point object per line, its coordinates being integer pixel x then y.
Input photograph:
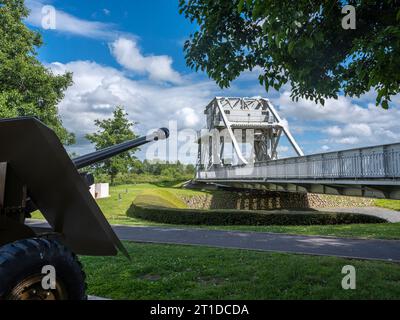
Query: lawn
{"type": "Point", "coordinates": [121, 197]}
{"type": "Point", "coordinates": [390, 231]}
{"type": "Point", "coordinates": [185, 272]}
{"type": "Point", "coordinates": [389, 204]}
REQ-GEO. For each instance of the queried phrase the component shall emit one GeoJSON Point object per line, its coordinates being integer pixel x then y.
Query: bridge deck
{"type": "Point", "coordinates": [370, 172]}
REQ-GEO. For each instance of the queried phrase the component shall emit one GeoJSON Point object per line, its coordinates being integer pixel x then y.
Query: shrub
{"type": "Point", "coordinates": [236, 217]}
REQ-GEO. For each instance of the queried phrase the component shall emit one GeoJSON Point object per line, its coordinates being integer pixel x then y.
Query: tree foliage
{"type": "Point", "coordinates": [166, 169]}
{"type": "Point", "coordinates": [27, 88]}
{"type": "Point", "coordinates": [301, 43]}
{"type": "Point", "coordinates": [113, 131]}
{"type": "Point", "coordinates": [152, 172]}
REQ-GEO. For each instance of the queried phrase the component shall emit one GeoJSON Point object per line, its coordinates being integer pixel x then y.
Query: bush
{"type": "Point", "coordinates": [253, 218]}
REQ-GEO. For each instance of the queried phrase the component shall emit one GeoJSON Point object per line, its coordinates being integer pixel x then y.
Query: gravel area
{"type": "Point", "coordinates": [389, 215]}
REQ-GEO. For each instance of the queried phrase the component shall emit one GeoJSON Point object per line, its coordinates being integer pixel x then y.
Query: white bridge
{"type": "Point", "coordinates": [239, 148]}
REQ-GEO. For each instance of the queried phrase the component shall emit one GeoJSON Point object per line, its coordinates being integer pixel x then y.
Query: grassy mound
{"type": "Point", "coordinates": [159, 198]}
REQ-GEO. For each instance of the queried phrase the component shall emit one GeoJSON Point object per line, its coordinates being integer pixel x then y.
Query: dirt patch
{"type": "Point", "coordinates": [150, 277]}
{"type": "Point", "coordinates": [210, 281]}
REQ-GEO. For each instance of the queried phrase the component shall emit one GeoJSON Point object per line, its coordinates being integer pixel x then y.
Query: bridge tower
{"type": "Point", "coordinates": [236, 122]}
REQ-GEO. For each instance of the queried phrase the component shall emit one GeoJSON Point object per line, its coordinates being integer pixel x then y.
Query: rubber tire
{"type": "Point", "coordinates": [23, 258]}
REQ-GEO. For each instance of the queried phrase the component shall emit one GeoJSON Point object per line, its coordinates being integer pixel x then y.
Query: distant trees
{"type": "Point", "coordinates": [167, 169]}
{"type": "Point", "coordinates": [151, 172]}
{"type": "Point", "coordinates": [126, 168]}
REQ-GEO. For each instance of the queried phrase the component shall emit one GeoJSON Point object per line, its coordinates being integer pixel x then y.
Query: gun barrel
{"type": "Point", "coordinates": [104, 154]}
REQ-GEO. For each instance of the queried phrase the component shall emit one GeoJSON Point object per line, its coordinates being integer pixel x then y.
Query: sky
{"type": "Point", "coordinates": [130, 53]}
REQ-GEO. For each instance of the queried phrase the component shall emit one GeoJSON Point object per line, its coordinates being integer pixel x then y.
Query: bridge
{"type": "Point", "coordinates": [240, 146]}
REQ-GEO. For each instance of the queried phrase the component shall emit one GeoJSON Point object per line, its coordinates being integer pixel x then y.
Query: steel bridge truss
{"type": "Point", "coordinates": [368, 172]}
{"type": "Point", "coordinates": [232, 122]}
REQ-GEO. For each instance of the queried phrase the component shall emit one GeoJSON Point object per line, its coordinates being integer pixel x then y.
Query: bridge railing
{"type": "Point", "coordinates": [379, 162]}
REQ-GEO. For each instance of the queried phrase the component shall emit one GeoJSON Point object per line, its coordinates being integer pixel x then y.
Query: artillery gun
{"type": "Point", "coordinates": [36, 173]}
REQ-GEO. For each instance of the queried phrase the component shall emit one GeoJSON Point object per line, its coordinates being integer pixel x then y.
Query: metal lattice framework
{"type": "Point", "coordinates": [368, 172]}
{"type": "Point", "coordinates": [234, 121]}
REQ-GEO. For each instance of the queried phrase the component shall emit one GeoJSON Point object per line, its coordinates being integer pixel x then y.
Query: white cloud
{"type": "Point", "coordinates": [334, 131]}
{"type": "Point", "coordinates": [359, 129]}
{"type": "Point", "coordinates": [347, 121]}
{"type": "Point", "coordinates": [128, 55]}
{"type": "Point", "coordinates": [285, 123]}
{"type": "Point", "coordinates": [352, 133]}
{"type": "Point", "coordinates": [70, 24]}
{"type": "Point", "coordinates": [342, 110]}
{"type": "Point", "coordinates": [347, 140]}
{"type": "Point", "coordinates": [123, 47]}
{"type": "Point", "coordinates": [98, 89]}
{"type": "Point", "coordinates": [189, 116]}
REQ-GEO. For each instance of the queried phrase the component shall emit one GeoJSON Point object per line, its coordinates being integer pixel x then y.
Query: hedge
{"type": "Point", "coordinates": [253, 218]}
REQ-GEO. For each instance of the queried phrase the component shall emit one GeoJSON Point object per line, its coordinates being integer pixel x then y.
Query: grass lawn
{"type": "Point", "coordinates": [389, 231]}
{"type": "Point", "coordinates": [121, 198]}
{"type": "Point", "coordinates": [185, 272]}
{"type": "Point", "coordinates": [389, 204]}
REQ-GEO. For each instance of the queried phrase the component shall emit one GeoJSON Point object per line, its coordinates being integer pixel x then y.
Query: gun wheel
{"type": "Point", "coordinates": [21, 267]}
{"type": "Point", "coordinates": [31, 289]}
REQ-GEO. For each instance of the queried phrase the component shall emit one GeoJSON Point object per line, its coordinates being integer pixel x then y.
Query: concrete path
{"type": "Point", "coordinates": [97, 298]}
{"type": "Point", "coordinates": [387, 214]}
{"type": "Point", "coordinates": [351, 248]}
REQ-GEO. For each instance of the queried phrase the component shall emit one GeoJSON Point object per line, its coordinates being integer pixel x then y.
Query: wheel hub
{"type": "Point", "coordinates": [31, 289]}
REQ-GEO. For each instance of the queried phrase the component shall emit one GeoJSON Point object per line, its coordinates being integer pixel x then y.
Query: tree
{"type": "Point", "coordinates": [301, 43]}
{"type": "Point", "coordinates": [27, 88]}
{"type": "Point", "coordinates": [111, 132]}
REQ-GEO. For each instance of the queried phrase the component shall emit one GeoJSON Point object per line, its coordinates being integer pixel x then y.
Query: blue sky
{"type": "Point", "coordinates": [158, 25]}
{"type": "Point", "coordinates": [131, 53]}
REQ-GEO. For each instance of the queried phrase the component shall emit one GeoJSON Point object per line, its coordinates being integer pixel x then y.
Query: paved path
{"type": "Point", "coordinates": [387, 214]}
{"type": "Point", "coordinates": [97, 298]}
{"type": "Point", "coordinates": [353, 248]}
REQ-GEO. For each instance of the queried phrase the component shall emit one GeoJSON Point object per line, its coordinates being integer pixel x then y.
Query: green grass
{"type": "Point", "coordinates": [389, 231]}
{"type": "Point", "coordinates": [115, 211]}
{"type": "Point", "coordinates": [121, 197]}
{"type": "Point", "coordinates": [389, 204]}
{"type": "Point", "coordinates": [159, 198]}
{"type": "Point", "coordinates": [185, 272]}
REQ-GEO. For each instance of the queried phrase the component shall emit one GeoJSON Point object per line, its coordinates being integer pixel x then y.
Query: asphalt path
{"type": "Point", "coordinates": [388, 250]}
